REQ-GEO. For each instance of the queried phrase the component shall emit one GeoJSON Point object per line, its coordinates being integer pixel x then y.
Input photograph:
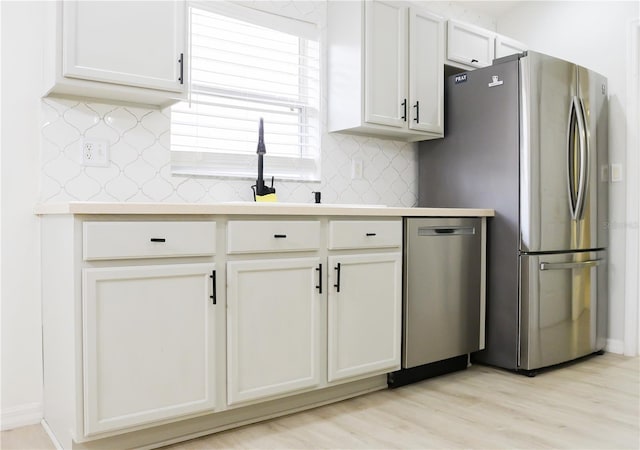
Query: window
{"type": "Point", "coordinates": [240, 72]}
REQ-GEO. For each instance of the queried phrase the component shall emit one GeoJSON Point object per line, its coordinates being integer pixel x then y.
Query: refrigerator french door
{"type": "Point", "coordinates": [563, 143]}
{"type": "Point", "coordinates": [527, 136]}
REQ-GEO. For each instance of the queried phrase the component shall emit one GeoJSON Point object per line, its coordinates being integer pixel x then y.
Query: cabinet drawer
{"type": "Point", "coordinates": [254, 236]}
{"type": "Point", "coordinates": [120, 240]}
{"type": "Point", "coordinates": [344, 234]}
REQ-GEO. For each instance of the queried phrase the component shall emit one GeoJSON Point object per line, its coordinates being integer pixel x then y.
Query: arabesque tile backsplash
{"type": "Point", "coordinates": [140, 168]}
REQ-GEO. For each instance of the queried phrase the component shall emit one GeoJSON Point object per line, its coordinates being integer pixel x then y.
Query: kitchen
{"type": "Point", "coordinates": [26, 181]}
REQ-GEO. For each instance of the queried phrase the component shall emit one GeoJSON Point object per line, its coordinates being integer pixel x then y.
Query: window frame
{"type": "Point", "coordinates": [306, 166]}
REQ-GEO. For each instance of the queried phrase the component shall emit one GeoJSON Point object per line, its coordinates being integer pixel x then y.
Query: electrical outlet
{"type": "Point", "coordinates": [616, 172]}
{"type": "Point", "coordinates": [95, 152]}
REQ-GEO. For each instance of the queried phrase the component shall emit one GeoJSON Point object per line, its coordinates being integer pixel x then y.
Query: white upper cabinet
{"type": "Point", "coordinates": [469, 45]}
{"type": "Point", "coordinates": [131, 51]}
{"type": "Point", "coordinates": [506, 46]}
{"type": "Point", "coordinates": [385, 66]}
{"type": "Point", "coordinates": [426, 72]}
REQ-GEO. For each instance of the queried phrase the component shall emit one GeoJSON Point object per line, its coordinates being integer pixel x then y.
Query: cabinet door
{"type": "Point", "coordinates": [386, 56]}
{"type": "Point", "coordinates": [426, 71]}
{"type": "Point", "coordinates": [506, 46]}
{"type": "Point", "coordinates": [149, 335]}
{"type": "Point", "coordinates": [364, 314]}
{"type": "Point", "coordinates": [273, 324]}
{"type": "Point", "coordinates": [134, 43]}
{"type": "Point", "coordinates": [469, 45]}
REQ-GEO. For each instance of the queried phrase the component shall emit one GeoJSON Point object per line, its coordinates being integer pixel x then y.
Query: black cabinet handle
{"type": "Point", "coordinates": [337, 285]}
{"type": "Point", "coordinates": [371, 234]}
{"type": "Point", "coordinates": [181, 61]}
{"type": "Point", "coordinates": [417, 107]}
{"type": "Point", "coordinates": [404, 110]}
{"type": "Point", "coordinates": [279, 236]}
{"type": "Point", "coordinates": [213, 283]}
{"type": "Point", "coordinates": [319, 286]}
{"type": "Point", "coordinates": [474, 60]}
{"type": "Point", "coordinates": [158, 240]}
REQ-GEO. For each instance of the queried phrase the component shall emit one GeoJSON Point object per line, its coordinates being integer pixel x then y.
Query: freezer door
{"type": "Point", "coordinates": [564, 307]}
{"type": "Point", "coordinates": [563, 156]}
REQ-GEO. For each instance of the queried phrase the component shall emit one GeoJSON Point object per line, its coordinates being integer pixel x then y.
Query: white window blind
{"type": "Point", "coordinates": [241, 70]}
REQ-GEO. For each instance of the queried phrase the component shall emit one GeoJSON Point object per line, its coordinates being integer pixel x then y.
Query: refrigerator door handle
{"type": "Point", "coordinates": [584, 157]}
{"type": "Point", "coordinates": [571, 265]}
{"type": "Point", "coordinates": [576, 162]}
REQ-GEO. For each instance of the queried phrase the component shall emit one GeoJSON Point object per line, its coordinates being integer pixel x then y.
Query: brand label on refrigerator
{"type": "Point", "coordinates": [495, 81]}
{"type": "Point", "coordinates": [460, 78]}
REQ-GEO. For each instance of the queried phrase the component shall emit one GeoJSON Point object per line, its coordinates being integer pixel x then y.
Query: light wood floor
{"type": "Point", "coordinates": [593, 404]}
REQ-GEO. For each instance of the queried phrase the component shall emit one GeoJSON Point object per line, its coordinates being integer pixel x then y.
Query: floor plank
{"type": "Point", "coordinates": [592, 404]}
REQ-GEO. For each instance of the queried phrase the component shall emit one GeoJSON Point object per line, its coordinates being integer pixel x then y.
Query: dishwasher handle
{"type": "Point", "coordinates": [444, 230]}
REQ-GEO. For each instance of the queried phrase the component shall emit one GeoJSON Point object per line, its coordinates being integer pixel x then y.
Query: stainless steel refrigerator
{"type": "Point", "coordinates": [527, 136]}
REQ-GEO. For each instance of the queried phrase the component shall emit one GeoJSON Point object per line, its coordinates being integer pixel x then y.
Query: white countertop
{"type": "Point", "coordinates": [252, 208]}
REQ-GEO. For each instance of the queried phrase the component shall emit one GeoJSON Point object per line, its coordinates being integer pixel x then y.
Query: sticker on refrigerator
{"type": "Point", "coordinates": [460, 78]}
{"type": "Point", "coordinates": [495, 81]}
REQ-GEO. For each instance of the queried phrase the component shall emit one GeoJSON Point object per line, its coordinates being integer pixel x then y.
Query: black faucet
{"type": "Point", "coordinates": [260, 188]}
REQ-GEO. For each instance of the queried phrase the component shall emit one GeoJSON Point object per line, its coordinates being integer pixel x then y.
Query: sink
{"type": "Point", "coordinates": [320, 205]}
{"type": "Point", "coordinates": [349, 205]}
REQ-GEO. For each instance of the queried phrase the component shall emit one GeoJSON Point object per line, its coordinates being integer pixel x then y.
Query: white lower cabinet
{"type": "Point", "coordinates": [273, 326]}
{"type": "Point", "coordinates": [149, 345]}
{"type": "Point", "coordinates": [135, 326]}
{"type": "Point", "coordinates": [364, 307]}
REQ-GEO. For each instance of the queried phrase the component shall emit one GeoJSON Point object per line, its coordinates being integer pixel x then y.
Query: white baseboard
{"type": "Point", "coordinates": [615, 346]}
{"type": "Point", "coordinates": [52, 436]}
{"type": "Point", "coordinates": [20, 416]}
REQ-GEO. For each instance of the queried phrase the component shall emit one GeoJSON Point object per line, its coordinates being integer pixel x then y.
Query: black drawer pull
{"type": "Point", "coordinates": [181, 62]}
{"type": "Point", "coordinates": [337, 285]}
{"type": "Point", "coordinates": [214, 297]}
{"type": "Point", "coordinates": [158, 240]}
{"type": "Point", "coordinates": [279, 236]}
{"type": "Point", "coordinates": [319, 286]}
{"type": "Point", "coordinates": [371, 234]}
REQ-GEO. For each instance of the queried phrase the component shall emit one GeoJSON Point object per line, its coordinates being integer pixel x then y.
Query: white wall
{"type": "Point", "coordinates": [21, 327]}
{"type": "Point", "coordinates": [632, 285]}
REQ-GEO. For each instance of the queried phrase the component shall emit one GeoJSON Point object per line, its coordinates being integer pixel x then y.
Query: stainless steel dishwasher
{"type": "Point", "coordinates": [443, 296]}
